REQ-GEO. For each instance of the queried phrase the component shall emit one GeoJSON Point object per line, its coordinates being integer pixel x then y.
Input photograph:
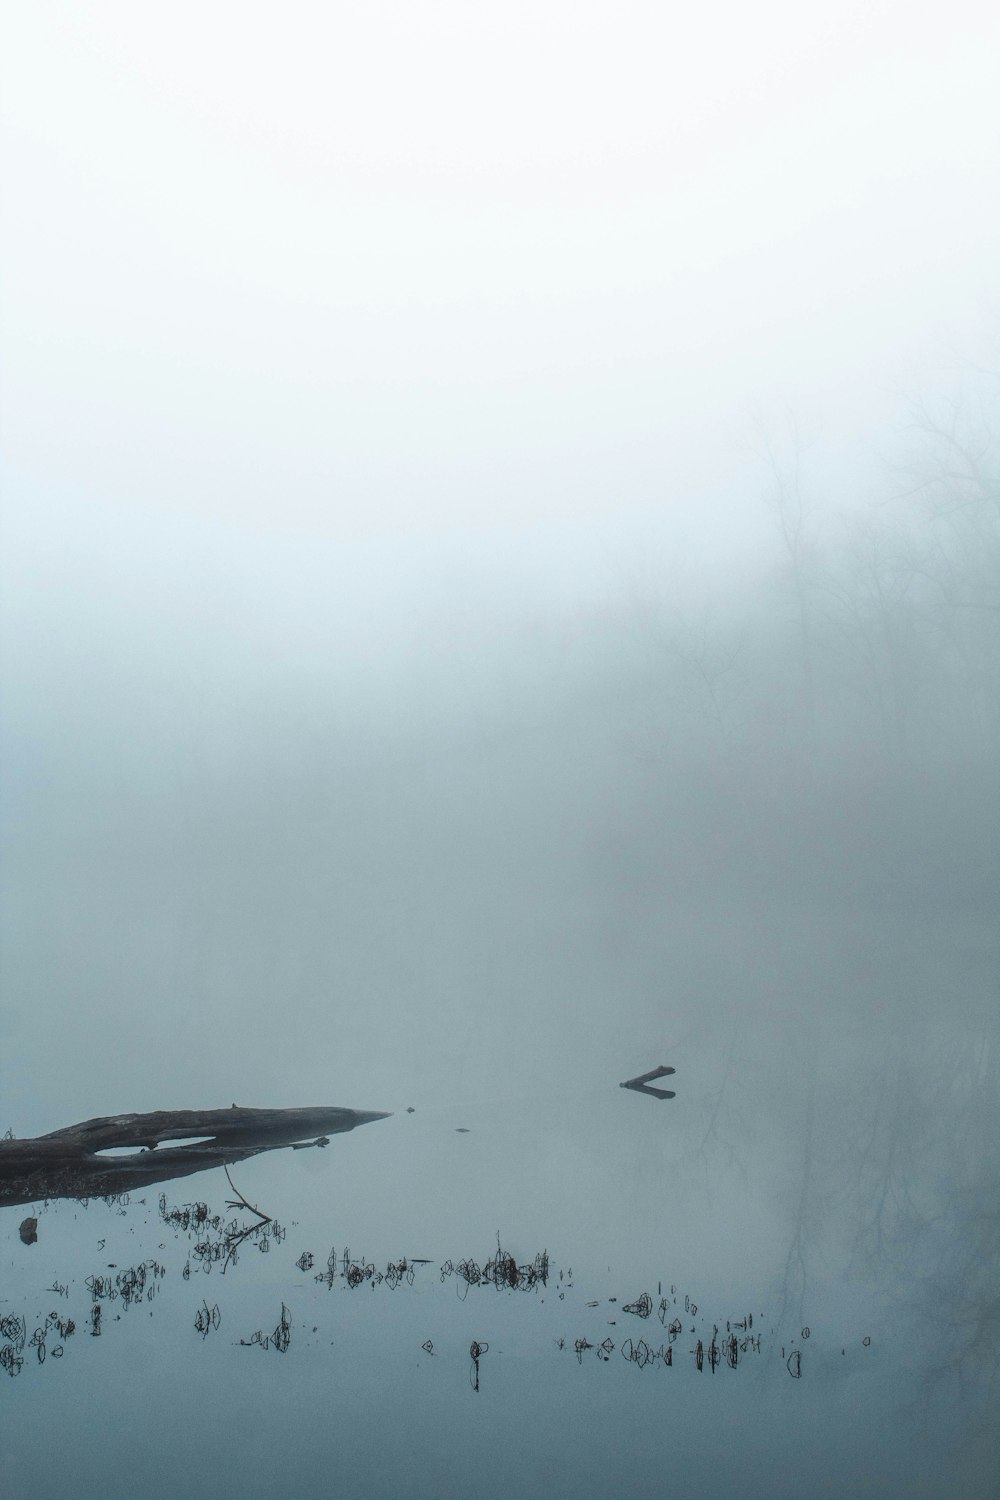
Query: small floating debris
{"type": "Point", "coordinates": [642, 1084]}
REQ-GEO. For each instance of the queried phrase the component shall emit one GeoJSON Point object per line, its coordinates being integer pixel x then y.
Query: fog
{"type": "Point", "coordinates": [501, 591]}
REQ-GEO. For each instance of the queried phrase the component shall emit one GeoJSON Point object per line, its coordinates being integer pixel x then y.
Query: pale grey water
{"type": "Point", "coordinates": [492, 906]}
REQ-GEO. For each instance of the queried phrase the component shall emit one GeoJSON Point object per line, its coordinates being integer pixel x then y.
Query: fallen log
{"type": "Point", "coordinates": [67, 1164]}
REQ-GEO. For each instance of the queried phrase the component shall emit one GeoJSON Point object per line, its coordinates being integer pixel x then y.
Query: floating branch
{"type": "Point", "coordinates": [66, 1163]}
{"type": "Point", "coordinates": [641, 1085]}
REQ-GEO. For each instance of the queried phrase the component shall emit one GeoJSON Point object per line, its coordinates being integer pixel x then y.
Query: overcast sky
{"type": "Point", "coordinates": [386, 269]}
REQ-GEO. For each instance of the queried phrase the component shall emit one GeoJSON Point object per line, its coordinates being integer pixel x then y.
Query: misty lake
{"type": "Point", "coordinates": [476, 885]}
{"type": "Point", "coordinates": [574, 1288]}
{"type": "Point", "coordinates": [500, 599]}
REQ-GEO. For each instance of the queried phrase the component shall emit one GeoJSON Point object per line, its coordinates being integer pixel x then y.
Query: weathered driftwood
{"type": "Point", "coordinates": [643, 1084]}
{"type": "Point", "coordinates": [65, 1163]}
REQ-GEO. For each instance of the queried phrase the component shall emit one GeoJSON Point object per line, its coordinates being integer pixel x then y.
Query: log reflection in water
{"type": "Point", "coordinates": [67, 1164]}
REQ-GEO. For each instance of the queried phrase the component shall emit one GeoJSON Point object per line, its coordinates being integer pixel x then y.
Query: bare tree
{"type": "Point", "coordinates": [797, 521]}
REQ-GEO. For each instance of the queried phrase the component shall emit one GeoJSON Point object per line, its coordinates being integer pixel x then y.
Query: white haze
{"type": "Point", "coordinates": [383, 269]}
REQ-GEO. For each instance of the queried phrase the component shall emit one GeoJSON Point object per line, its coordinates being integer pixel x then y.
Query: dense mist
{"type": "Point", "coordinates": [463, 847]}
{"type": "Point", "coordinates": [501, 591]}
